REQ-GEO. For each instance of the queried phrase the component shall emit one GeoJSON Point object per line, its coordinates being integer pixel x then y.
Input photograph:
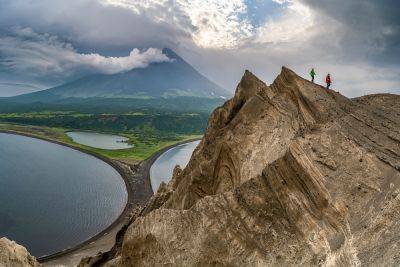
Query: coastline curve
{"type": "Point", "coordinates": [108, 161]}
{"type": "Point", "coordinates": [143, 171]}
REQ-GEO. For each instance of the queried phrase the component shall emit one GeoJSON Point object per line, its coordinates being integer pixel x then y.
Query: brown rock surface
{"type": "Point", "coordinates": [286, 174]}
{"type": "Point", "coordinates": [14, 255]}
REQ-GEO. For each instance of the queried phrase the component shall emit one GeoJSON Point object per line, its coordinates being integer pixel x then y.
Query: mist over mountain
{"type": "Point", "coordinates": [8, 89]}
{"type": "Point", "coordinates": [174, 78]}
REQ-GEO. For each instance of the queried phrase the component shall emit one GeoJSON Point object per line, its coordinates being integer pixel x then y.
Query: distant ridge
{"type": "Point", "coordinates": [175, 78]}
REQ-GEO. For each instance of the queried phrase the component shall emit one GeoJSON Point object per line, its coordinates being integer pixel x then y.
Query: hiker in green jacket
{"type": "Point", "coordinates": [312, 73]}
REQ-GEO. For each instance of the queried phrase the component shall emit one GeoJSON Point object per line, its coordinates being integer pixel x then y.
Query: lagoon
{"type": "Point", "coordinates": [163, 167]}
{"type": "Point", "coordinates": [99, 140]}
{"type": "Point", "coordinates": [53, 197]}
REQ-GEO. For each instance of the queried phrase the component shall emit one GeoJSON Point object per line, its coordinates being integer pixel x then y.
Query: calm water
{"type": "Point", "coordinates": [98, 140]}
{"type": "Point", "coordinates": [163, 167]}
{"type": "Point", "coordinates": [53, 197]}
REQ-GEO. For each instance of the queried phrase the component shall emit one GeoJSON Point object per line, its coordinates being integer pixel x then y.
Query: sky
{"type": "Point", "coordinates": [44, 43]}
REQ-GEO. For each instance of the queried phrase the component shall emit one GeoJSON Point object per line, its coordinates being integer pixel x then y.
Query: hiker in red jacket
{"type": "Point", "coordinates": [328, 81]}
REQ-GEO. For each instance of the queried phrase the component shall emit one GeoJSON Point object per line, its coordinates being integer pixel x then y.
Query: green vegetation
{"type": "Point", "coordinates": [148, 132]}
{"type": "Point", "coordinates": [146, 141]}
{"type": "Point", "coordinates": [149, 124]}
{"type": "Point", "coordinates": [113, 105]}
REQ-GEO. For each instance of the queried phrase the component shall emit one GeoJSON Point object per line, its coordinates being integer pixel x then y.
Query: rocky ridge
{"type": "Point", "coordinates": [286, 174]}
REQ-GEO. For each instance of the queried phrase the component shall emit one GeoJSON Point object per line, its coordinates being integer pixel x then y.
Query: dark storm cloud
{"type": "Point", "coordinates": [54, 41]}
{"type": "Point", "coordinates": [92, 26]}
{"type": "Point", "coordinates": [43, 55]}
{"type": "Point", "coordinates": [371, 27]}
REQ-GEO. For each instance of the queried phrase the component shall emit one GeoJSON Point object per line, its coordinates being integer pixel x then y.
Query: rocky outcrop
{"type": "Point", "coordinates": [286, 174]}
{"type": "Point", "coordinates": [14, 255]}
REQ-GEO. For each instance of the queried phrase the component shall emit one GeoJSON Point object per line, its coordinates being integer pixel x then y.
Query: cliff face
{"type": "Point", "coordinates": [286, 174]}
{"type": "Point", "coordinates": [12, 254]}
{"type": "Point", "coordinates": [289, 173]}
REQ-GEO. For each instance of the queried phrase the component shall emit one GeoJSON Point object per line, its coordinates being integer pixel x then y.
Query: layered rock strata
{"type": "Point", "coordinates": [286, 174]}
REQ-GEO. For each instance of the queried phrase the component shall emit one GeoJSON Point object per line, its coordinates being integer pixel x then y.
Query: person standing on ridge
{"type": "Point", "coordinates": [312, 73]}
{"type": "Point", "coordinates": [328, 81]}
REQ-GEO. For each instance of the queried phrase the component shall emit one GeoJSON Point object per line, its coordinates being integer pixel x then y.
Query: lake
{"type": "Point", "coordinates": [53, 197]}
{"type": "Point", "coordinates": [163, 167]}
{"type": "Point", "coordinates": [99, 140]}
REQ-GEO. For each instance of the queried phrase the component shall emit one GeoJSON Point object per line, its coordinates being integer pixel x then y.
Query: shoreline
{"type": "Point", "coordinates": [150, 161]}
{"type": "Point", "coordinates": [143, 171]}
{"type": "Point", "coordinates": [110, 162]}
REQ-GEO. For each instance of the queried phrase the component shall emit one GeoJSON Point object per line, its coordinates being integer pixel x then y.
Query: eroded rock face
{"type": "Point", "coordinates": [286, 174]}
{"type": "Point", "coordinates": [14, 255]}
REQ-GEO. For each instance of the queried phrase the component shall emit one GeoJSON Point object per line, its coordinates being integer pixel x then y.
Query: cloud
{"type": "Point", "coordinates": [211, 23]}
{"type": "Point", "coordinates": [369, 29]}
{"type": "Point", "coordinates": [46, 55]}
{"type": "Point", "coordinates": [357, 41]}
{"type": "Point", "coordinates": [112, 65]}
{"type": "Point", "coordinates": [294, 24]}
{"type": "Point", "coordinates": [96, 26]}
{"type": "Point", "coordinates": [218, 23]}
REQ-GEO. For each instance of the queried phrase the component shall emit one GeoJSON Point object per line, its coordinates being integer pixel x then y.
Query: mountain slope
{"type": "Point", "coordinates": [289, 174]}
{"type": "Point", "coordinates": [166, 79]}
{"type": "Point", "coordinates": [286, 174]}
